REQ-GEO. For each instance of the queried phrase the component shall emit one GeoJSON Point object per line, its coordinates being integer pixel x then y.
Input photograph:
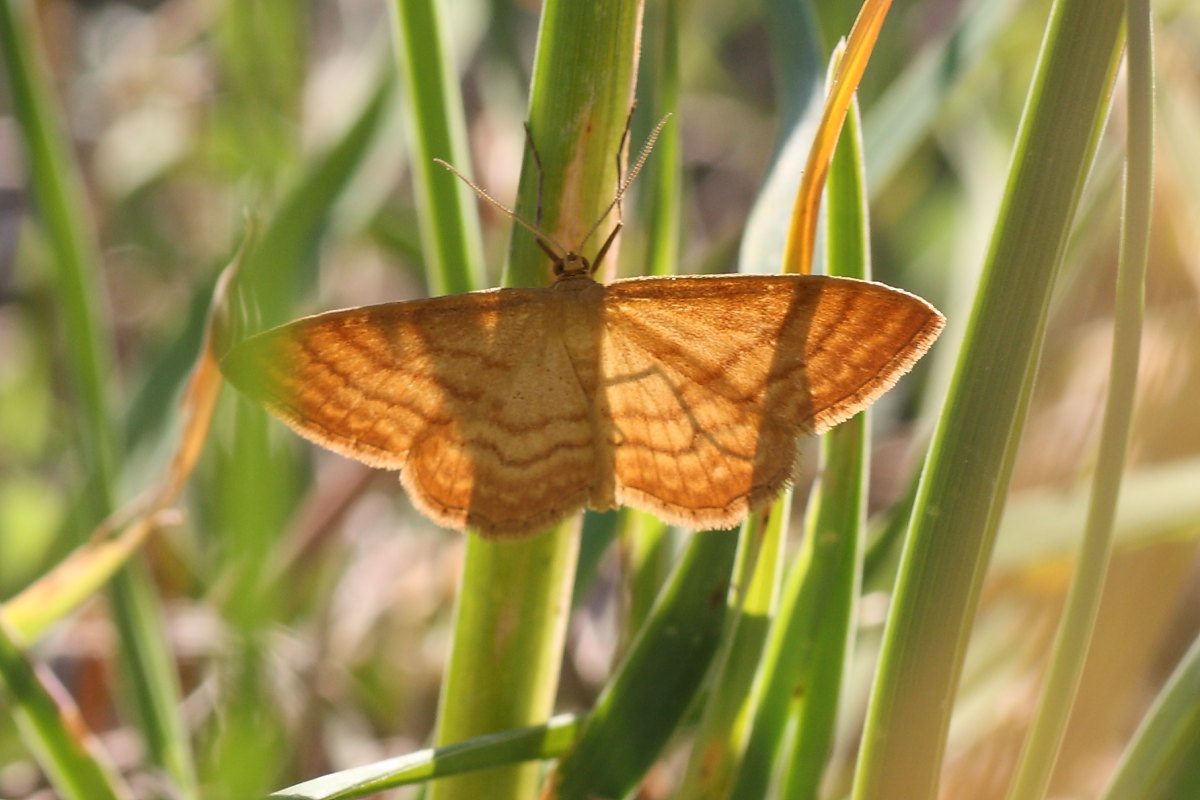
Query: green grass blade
{"type": "Point", "coordinates": [802, 670]}
{"type": "Point", "coordinates": [523, 744]}
{"type": "Point", "coordinates": [598, 533]}
{"type": "Point", "coordinates": [1160, 761]}
{"type": "Point", "coordinates": [59, 199]}
{"type": "Point", "coordinates": [154, 681]}
{"type": "Point", "coordinates": [1069, 656]}
{"type": "Point", "coordinates": [661, 180]}
{"type": "Point", "coordinates": [725, 725]}
{"type": "Point", "coordinates": [644, 702]}
{"type": "Point", "coordinates": [55, 733]}
{"type": "Point", "coordinates": [450, 236]}
{"type": "Point", "coordinates": [152, 409]}
{"type": "Point", "coordinates": [721, 733]}
{"type": "Point", "coordinates": [60, 204]}
{"type": "Point", "coordinates": [827, 603]}
{"type": "Point", "coordinates": [725, 722]}
{"type": "Point", "coordinates": [962, 492]}
{"type": "Point", "coordinates": [647, 550]}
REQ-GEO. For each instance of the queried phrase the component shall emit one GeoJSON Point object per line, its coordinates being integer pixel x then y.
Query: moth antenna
{"type": "Point", "coordinates": [633, 173]}
{"type": "Point", "coordinates": [535, 230]}
{"type": "Point", "coordinates": [621, 154]}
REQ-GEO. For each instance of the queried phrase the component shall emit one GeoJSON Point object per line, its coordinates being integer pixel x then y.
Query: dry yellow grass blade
{"type": "Point", "coordinates": [89, 566]}
{"type": "Point", "coordinates": [802, 233]}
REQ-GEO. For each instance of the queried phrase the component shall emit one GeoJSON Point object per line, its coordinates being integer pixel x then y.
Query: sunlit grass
{"type": "Point", "coordinates": [302, 606]}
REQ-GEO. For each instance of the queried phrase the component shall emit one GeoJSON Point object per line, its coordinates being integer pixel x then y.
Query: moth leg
{"type": "Point", "coordinates": [541, 174]}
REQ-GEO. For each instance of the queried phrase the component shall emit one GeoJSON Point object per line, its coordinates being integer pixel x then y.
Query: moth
{"type": "Point", "coordinates": [507, 410]}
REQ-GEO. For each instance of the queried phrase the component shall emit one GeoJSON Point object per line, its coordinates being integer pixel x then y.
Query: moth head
{"type": "Point", "coordinates": [572, 265]}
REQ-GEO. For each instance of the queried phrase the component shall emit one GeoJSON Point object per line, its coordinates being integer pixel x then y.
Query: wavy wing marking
{"type": "Point", "coordinates": [709, 381]}
{"type": "Point", "coordinates": [471, 396]}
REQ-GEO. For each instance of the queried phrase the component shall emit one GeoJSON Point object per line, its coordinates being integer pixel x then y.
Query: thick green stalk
{"type": "Point", "coordinates": [515, 596]}
{"type": "Point", "coordinates": [962, 493]}
{"type": "Point", "coordinates": [583, 80]}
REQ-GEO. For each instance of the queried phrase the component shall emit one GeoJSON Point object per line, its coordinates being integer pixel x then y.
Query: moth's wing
{"type": "Point", "coordinates": [472, 397]}
{"type": "Point", "coordinates": [710, 380]}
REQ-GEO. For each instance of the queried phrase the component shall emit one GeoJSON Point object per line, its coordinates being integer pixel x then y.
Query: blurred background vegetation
{"type": "Point", "coordinates": [307, 606]}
